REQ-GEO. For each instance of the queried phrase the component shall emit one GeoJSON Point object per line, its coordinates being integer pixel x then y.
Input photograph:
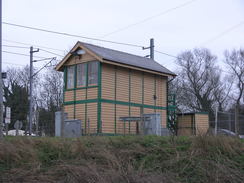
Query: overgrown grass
{"type": "Point", "coordinates": [122, 159]}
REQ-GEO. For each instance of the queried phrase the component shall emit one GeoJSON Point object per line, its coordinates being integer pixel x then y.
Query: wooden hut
{"type": "Point", "coordinates": [193, 123]}
{"type": "Point", "coordinates": [101, 85]}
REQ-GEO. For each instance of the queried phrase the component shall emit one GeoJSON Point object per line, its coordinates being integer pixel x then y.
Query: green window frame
{"type": "Point", "coordinates": [92, 73]}
{"type": "Point", "coordinates": [81, 75]}
{"type": "Point", "coordinates": [70, 77]}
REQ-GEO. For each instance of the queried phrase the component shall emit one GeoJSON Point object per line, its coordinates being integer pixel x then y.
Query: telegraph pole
{"type": "Point", "coordinates": [1, 81]}
{"type": "Point", "coordinates": [151, 47]}
{"type": "Point", "coordinates": [31, 88]}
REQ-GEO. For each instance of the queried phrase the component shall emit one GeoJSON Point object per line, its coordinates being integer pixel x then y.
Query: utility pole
{"type": "Point", "coordinates": [151, 47]}
{"type": "Point", "coordinates": [1, 81]}
{"type": "Point", "coordinates": [31, 88]}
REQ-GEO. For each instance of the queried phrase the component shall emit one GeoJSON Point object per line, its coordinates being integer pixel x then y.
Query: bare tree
{"type": "Point", "coordinates": [235, 63]}
{"type": "Point", "coordinates": [51, 97]}
{"type": "Point", "coordinates": [198, 85]}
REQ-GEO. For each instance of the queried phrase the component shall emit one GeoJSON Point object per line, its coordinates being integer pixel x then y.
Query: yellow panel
{"type": "Point", "coordinates": [164, 91]}
{"type": "Point", "coordinates": [69, 96]}
{"type": "Point", "coordinates": [185, 125]}
{"type": "Point", "coordinates": [185, 120]}
{"type": "Point", "coordinates": [136, 87]}
{"type": "Point", "coordinates": [91, 93]}
{"type": "Point", "coordinates": [81, 94]}
{"type": "Point", "coordinates": [202, 123]}
{"type": "Point", "coordinates": [135, 112]}
{"type": "Point", "coordinates": [76, 60]}
{"type": "Point", "coordinates": [80, 114]}
{"type": "Point", "coordinates": [148, 89]}
{"type": "Point", "coordinates": [108, 112]}
{"type": "Point", "coordinates": [148, 111]}
{"type": "Point", "coordinates": [69, 109]}
{"type": "Point", "coordinates": [122, 89]}
{"type": "Point", "coordinates": [92, 118]}
{"type": "Point", "coordinates": [108, 81]}
{"type": "Point", "coordinates": [122, 111]}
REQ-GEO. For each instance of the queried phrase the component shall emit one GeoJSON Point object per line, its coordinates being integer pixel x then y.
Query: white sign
{"type": "Point", "coordinates": [8, 112]}
{"type": "Point", "coordinates": [7, 120]}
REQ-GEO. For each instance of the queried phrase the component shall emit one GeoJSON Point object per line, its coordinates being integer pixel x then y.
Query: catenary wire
{"type": "Point", "coordinates": [13, 46]}
{"type": "Point", "coordinates": [149, 18]}
{"type": "Point", "coordinates": [224, 33]}
{"type": "Point", "coordinates": [14, 53]}
{"type": "Point", "coordinates": [70, 35]}
{"type": "Point", "coordinates": [29, 44]}
{"type": "Point", "coordinates": [51, 52]}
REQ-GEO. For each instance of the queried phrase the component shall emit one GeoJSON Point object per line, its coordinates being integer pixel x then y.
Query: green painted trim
{"type": "Point", "coordinates": [81, 88]}
{"type": "Point", "coordinates": [132, 104]}
{"type": "Point", "coordinates": [129, 96]}
{"type": "Point", "coordinates": [86, 99]}
{"type": "Point", "coordinates": [155, 94]}
{"type": "Point", "coordinates": [114, 102]}
{"type": "Point", "coordinates": [115, 98]}
{"type": "Point", "coordinates": [99, 96]}
{"type": "Point", "coordinates": [65, 78]}
{"type": "Point", "coordinates": [143, 88]}
{"type": "Point", "coordinates": [75, 80]}
{"type": "Point", "coordinates": [81, 101]}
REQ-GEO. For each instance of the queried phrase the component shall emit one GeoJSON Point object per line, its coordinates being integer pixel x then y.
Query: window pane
{"type": "Point", "coordinates": [92, 73]}
{"type": "Point", "coordinates": [70, 77]}
{"type": "Point", "coordinates": [81, 75]}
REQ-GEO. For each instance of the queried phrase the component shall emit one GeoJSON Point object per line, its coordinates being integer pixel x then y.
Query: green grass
{"type": "Point", "coordinates": [122, 159]}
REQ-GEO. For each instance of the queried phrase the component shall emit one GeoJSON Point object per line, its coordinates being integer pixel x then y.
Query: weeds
{"type": "Point", "coordinates": [122, 159]}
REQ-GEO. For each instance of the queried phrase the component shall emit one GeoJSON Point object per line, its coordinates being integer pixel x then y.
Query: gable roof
{"type": "Point", "coordinates": [123, 58]}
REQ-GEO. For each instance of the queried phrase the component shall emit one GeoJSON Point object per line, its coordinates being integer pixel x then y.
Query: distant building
{"type": "Point", "coordinates": [101, 85]}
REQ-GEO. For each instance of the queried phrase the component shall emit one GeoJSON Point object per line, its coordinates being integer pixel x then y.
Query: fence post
{"type": "Point", "coordinates": [237, 119]}
{"type": "Point", "coordinates": [216, 121]}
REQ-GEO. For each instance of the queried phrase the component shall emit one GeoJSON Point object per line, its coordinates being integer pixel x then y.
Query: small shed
{"type": "Point", "coordinates": [193, 123]}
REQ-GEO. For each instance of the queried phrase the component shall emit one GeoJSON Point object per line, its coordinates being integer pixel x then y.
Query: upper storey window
{"type": "Point", "coordinates": [70, 77]}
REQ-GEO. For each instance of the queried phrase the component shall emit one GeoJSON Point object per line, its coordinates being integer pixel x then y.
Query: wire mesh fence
{"type": "Point", "coordinates": [229, 122]}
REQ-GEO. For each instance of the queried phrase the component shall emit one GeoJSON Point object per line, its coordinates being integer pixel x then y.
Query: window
{"type": "Point", "coordinates": [92, 73]}
{"type": "Point", "coordinates": [81, 75]}
{"type": "Point", "coordinates": [70, 77]}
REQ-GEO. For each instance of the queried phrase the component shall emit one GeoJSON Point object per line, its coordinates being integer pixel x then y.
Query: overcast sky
{"type": "Point", "coordinates": [214, 24]}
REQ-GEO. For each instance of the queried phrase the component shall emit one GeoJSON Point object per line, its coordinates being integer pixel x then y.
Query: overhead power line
{"type": "Point", "coordinates": [224, 33]}
{"type": "Point", "coordinates": [12, 63]}
{"type": "Point", "coordinates": [70, 35]}
{"type": "Point", "coordinates": [167, 54]}
{"type": "Point", "coordinates": [14, 53]}
{"type": "Point", "coordinates": [51, 52]}
{"type": "Point", "coordinates": [30, 44]}
{"type": "Point", "coordinates": [11, 46]}
{"type": "Point", "coordinates": [149, 18]}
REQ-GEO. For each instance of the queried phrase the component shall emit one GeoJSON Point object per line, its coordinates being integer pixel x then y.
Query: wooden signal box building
{"type": "Point", "coordinates": [101, 85]}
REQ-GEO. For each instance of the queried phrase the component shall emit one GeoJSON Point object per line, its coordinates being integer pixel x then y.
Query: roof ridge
{"type": "Point", "coordinates": [119, 51]}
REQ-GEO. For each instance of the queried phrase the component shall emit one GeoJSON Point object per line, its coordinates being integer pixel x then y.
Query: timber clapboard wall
{"type": "Point", "coordinates": [120, 90]}
{"type": "Point", "coordinates": [195, 123]}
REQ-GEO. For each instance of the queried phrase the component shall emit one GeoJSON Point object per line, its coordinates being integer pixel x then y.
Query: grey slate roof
{"type": "Point", "coordinates": [128, 59]}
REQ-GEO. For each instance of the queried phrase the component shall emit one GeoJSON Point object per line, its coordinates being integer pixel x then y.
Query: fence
{"type": "Point", "coordinates": [228, 121]}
